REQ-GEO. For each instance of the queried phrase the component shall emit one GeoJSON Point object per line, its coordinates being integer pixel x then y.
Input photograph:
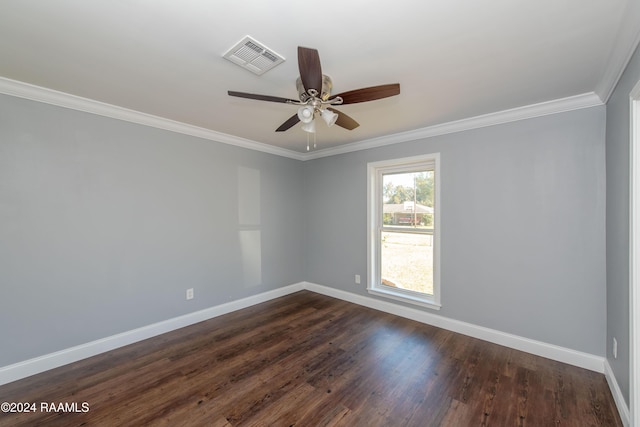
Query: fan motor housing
{"type": "Point", "coordinates": [327, 85]}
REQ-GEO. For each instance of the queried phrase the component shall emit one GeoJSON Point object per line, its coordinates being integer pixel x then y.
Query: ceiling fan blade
{"type": "Point", "coordinates": [260, 97]}
{"type": "Point", "coordinates": [369, 93]}
{"type": "Point", "coordinates": [344, 120]}
{"type": "Point", "coordinates": [310, 69]}
{"type": "Point", "coordinates": [289, 123]}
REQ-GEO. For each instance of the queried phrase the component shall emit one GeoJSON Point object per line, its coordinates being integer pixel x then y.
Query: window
{"type": "Point", "coordinates": [403, 229]}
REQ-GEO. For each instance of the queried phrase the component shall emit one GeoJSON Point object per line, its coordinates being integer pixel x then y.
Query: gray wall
{"type": "Point", "coordinates": [104, 224]}
{"type": "Point", "coordinates": [617, 153]}
{"type": "Point", "coordinates": [523, 225]}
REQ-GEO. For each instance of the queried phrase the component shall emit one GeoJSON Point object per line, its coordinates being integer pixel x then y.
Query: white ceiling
{"type": "Point", "coordinates": [454, 59]}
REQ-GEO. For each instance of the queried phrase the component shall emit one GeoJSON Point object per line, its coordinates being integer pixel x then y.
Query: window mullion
{"type": "Point", "coordinates": [407, 230]}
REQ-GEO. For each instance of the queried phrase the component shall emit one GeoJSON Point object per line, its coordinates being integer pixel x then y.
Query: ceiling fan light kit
{"type": "Point", "coordinates": [314, 92]}
{"type": "Point", "coordinates": [329, 117]}
{"type": "Point", "coordinates": [305, 114]}
{"type": "Point", "coordinates": [309, 127]}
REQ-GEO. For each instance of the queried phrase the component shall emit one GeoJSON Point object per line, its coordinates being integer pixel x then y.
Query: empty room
{"type": "Point", "coordinates": [352, 213]}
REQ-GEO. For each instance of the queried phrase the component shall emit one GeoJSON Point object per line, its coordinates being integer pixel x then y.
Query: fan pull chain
{"type": "Point", "coordinates": [308, 140]}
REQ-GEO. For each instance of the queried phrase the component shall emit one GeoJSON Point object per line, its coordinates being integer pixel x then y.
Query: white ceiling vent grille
{"type": "Point", "coordinates": [253, 56]}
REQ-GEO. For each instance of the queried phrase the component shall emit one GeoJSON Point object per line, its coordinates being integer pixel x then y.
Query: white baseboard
{"type": "Point", "coordinates": [40, 364]}
{"type": "Point", "coordinates": [550, 351]}
{"type": "Point", "coordinates": [618, 397]}
{"type": "Point", "coordinates": [36, 365]}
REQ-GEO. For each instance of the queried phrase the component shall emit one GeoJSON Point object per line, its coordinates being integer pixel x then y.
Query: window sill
{"type": "Point", "coordinates": [405, 297]}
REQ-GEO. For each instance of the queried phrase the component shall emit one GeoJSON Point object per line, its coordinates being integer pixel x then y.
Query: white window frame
{"type": "Point", "coordinates": [375, 171]}
{"type": "Point", "coordinates": [634, 251]}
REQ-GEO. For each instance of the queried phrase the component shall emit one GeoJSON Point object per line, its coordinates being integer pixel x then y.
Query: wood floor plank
{"type": "Point", "coordinates": [310, 360]}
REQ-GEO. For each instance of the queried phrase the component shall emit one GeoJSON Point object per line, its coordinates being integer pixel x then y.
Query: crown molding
{"type": "Point", "coordinates": [506, 116]}
{"type": "Point", "coordinates": [626, 43]}
{"type": "Point", "coordinates": [62, 99]}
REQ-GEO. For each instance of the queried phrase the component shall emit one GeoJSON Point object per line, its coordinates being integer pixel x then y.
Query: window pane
{"type": "Point", "coordinates": [408, 199]}
{"type": "Point", "coordinates": [403, 242]}
{"type": "Point", "coordinates": [407, 261]}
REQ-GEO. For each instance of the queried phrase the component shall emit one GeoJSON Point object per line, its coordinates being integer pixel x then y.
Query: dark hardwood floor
{"type": "Point", "coordinates": [310, 360]}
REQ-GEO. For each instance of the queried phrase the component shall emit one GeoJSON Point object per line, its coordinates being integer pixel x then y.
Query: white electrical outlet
{"type": "Point", "coordinates": [615, 348]}
{"type": "Point", "coordinates": [190, 293]}
{"type": "Point", "coordinates": [357, 279]}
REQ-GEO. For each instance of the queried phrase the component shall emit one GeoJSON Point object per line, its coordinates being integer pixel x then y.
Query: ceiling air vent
{"type": "Point", "coordinates": [253, 56]}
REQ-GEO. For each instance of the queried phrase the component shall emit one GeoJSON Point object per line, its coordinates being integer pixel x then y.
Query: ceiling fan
{"type": "Point", "coordinates": [314, 91]}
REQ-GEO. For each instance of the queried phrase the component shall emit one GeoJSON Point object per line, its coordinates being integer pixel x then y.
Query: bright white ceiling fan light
{"type": "Point", "coordinates": [329, 117]}
{"type": "Point", "coordinates": [305, 114]}
{"type": "Point", "coordinates": [309, 126]}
